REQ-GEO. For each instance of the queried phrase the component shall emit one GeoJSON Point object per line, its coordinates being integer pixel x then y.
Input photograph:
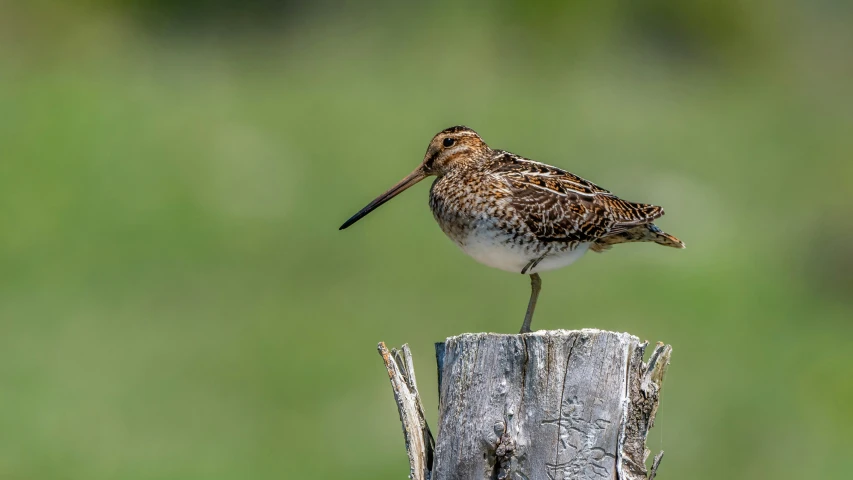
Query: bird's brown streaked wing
{"type": "Point", "coordinates": [560, 206]}
{"type": "Point", "coordinates": [631, 213]}
{"type": "Point", "coordinates": [540, 174]}
{"type": "Point", "coordinates": [558, 216]}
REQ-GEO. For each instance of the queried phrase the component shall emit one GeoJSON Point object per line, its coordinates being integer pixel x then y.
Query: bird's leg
{"type": "Point", "coordinates": [535, 287]}
{"type": "Point", "coordinates": [531, 265]}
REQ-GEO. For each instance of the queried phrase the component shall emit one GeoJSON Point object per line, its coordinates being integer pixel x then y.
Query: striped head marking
{"type": "Point", "coordinates": [453, 147]}
{"type": "Point", "coordinates": [450, 148]}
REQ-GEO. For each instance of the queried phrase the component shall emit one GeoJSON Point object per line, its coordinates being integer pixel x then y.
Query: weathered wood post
{"type": "Point", "coordinates": [544, 405]}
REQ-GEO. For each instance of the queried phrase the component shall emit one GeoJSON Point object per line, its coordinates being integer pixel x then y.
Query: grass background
{"type": "Point", "coordinates": [176, 301]}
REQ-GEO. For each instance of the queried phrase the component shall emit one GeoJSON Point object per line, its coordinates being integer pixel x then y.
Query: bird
{"type": "Point", "coordinates": [515, 214]}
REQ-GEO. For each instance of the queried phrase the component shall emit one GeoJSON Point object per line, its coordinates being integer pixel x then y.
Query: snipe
{"type": "Point", "coordinates": [518, 215]}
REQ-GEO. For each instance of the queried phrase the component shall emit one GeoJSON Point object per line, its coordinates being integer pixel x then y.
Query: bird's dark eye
{"type": "Point", "coordinates": [448, 142]}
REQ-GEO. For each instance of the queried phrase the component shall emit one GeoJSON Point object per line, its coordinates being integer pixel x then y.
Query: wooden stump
{"type": "Point", "coordinates": [544, 405]}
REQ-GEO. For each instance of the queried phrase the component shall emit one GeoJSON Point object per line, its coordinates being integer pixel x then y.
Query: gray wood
{"type": "Point", "coordinates": [545, 405]}
{"type": "Point", "coordinates": [419, 442]}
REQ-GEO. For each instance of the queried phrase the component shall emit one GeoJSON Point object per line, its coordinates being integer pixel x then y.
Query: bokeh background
{"type": "Point", "coordinates": [176, 301]}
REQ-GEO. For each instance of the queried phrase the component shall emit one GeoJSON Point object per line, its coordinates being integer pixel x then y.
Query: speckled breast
{"type": "Point", "coordinates": [486, 228]}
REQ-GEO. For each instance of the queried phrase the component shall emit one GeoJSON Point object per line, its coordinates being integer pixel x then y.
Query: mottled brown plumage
{"type": "Point", "coordinates": [513, 213]}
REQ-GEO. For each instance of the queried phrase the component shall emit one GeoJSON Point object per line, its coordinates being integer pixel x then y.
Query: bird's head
{"type": "Point", "coordinates": [451, 148]}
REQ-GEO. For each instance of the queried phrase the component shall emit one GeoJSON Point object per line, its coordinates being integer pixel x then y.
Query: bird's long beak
{"type": "Point", "coordinates": [403, 184]}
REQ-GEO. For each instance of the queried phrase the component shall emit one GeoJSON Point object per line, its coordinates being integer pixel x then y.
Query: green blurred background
{"type": "Point", "coordinates": [176, 299]}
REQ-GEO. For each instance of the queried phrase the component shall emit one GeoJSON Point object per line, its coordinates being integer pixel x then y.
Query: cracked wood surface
{"type": "Point", "coordinates": [419, 442]}
{"type": "Point", "coordinates": [546, 405]}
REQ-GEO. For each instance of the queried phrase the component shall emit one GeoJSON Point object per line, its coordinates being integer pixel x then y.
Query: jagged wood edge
{"type": "Point", "coordinates": [420, 445]}
{"type": "Point", "coordinates": [411, 381]}
{"type": "Point", "coordinates": [644, 382]}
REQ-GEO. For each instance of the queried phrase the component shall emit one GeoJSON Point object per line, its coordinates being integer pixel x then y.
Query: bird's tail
{"type": "Point", "coordinates": [648, 232]}
{"type": "Point", "coordinates": [662, 238]}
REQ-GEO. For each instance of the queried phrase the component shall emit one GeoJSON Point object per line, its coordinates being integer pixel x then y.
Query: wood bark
{"type": "Point", "coordinates": [544, 405]}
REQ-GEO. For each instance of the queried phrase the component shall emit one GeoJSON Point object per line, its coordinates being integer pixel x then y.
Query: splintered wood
{"type": "Point", "coordinates": [419, 442]}
{"type": "Point", "coordinates": [545, 405]}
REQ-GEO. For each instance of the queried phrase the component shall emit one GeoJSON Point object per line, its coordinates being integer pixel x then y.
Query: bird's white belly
{"type": "Point", "coordinates": [492, 251]}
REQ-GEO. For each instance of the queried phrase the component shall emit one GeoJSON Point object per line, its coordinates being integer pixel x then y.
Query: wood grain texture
{"type": "Point", "coordinates": [419, 441]}
{"type": "Point", "coordinates": [546, 405]}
